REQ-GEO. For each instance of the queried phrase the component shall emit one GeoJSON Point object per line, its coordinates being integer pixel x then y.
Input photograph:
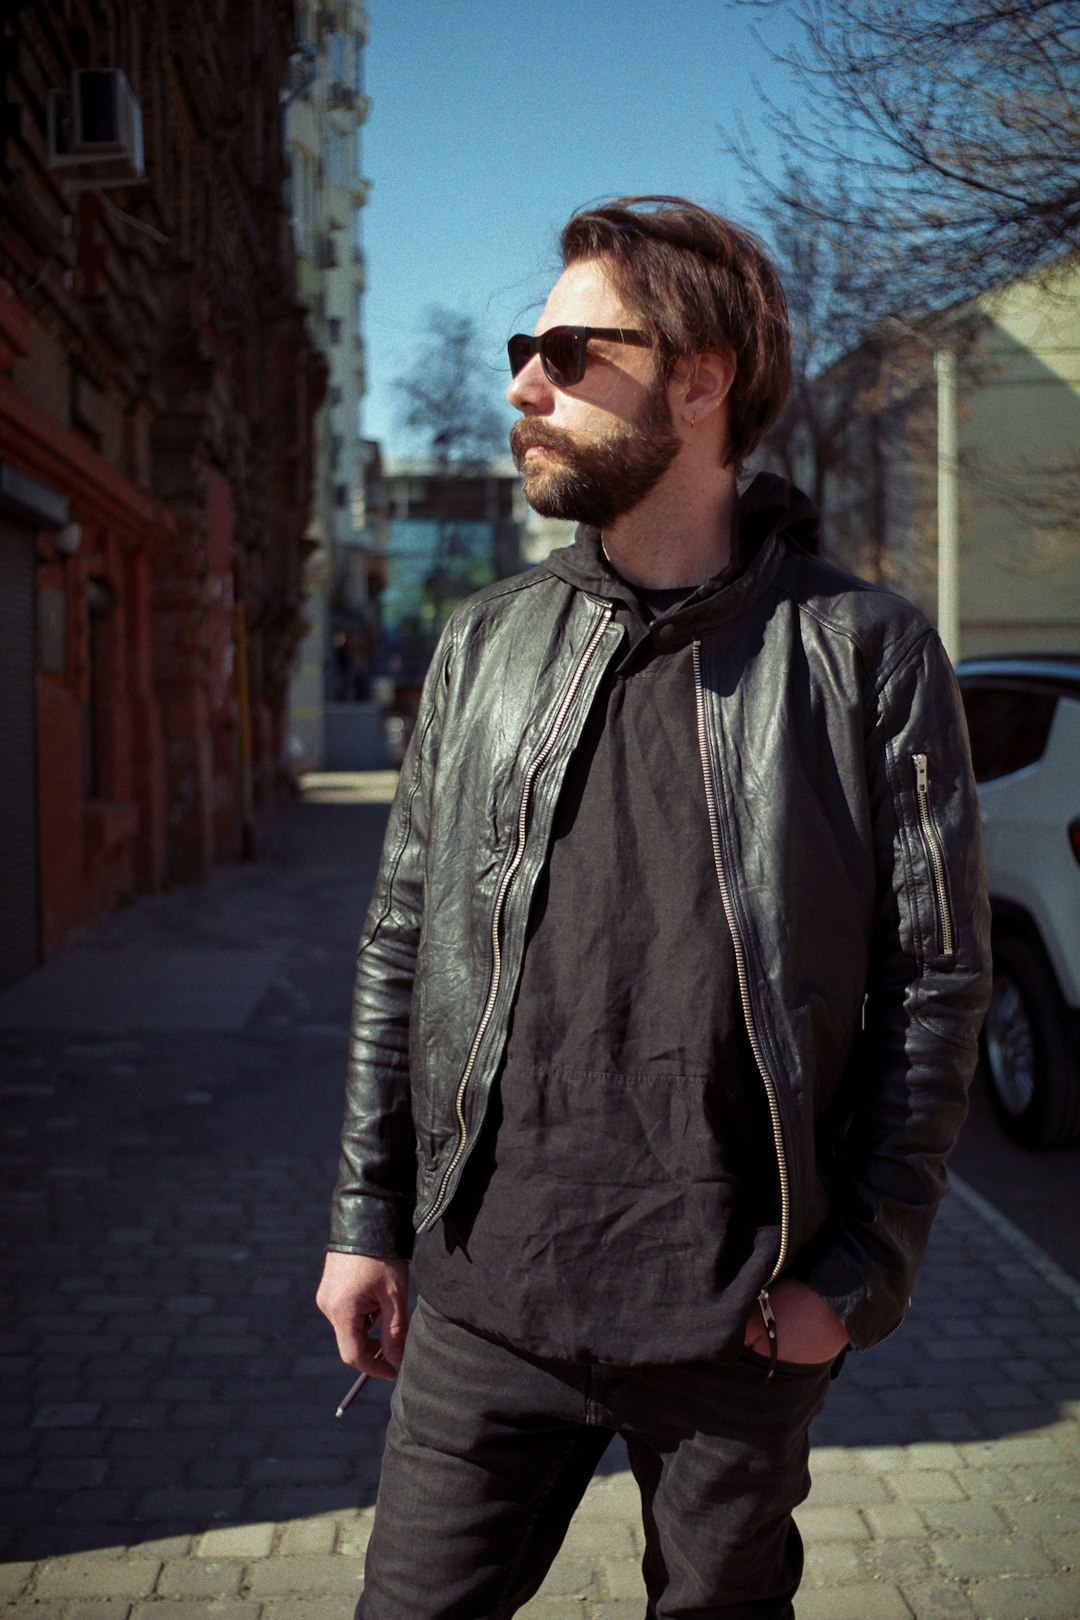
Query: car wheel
{"type": "Point", "coordinates": [1029, 1068]}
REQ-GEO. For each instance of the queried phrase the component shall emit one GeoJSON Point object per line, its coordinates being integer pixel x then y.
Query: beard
{"type": "Point", "coordinates": [596, 482]}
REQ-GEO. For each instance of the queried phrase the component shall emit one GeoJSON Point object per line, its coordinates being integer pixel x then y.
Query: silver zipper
{"type": "Point", "coordinates": [934, 854]}
{"type": "Point", "coordinates": [538, 761]}
{"type": "Point", "coordinates": [744, 993]}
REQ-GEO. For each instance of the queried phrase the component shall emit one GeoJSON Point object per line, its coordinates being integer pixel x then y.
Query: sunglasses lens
{"type": "Point", "coordinates": [520, 350]}
{"type": "Point", "coordinates": [562, 357]}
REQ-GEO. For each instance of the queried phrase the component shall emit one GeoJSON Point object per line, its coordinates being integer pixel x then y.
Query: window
{"type": "Point", "coordinates": [333, 329]}
{"type": "Point", "coordinates": [303, 199]}
{"type": "Point", "coordinates": [1008, 725]}
{"type": "Point", "coordinates": [337, 156]}
{"type": "Point", "coordinates": [338, 70]}
{"type": "Point", "coordinates": [358, 64]}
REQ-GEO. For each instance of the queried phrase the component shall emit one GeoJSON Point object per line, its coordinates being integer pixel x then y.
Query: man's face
{"type": "Point", "coordinates": [592, 451]}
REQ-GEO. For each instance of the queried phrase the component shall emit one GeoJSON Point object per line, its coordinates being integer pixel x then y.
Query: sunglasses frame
{"type": "Point", "coordinates": [528, 346]}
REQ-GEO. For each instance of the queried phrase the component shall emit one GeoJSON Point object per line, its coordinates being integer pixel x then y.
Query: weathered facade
{"type": "Point", "coordinates": [1014, 473]}
{"type": "Point", "coordinates": [157, 389]}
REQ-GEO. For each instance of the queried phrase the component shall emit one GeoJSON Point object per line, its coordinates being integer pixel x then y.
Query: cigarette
{"type": "Point", "coordinates": [351, 1394]}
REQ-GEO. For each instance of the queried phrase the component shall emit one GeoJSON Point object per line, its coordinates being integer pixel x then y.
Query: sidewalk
{"type": "Point", "coordinates": [168, 1451]}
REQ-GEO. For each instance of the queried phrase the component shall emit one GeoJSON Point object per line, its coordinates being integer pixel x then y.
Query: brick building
{"type": "Point", "coordinates": [157, 389]}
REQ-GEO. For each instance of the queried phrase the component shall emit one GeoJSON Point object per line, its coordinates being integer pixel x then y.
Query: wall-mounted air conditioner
{"type": "Point", "coordinates": [95, 131]}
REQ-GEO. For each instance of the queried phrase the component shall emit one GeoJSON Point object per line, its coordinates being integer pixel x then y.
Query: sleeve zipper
{"type": "Point", "coordinates": [935, 855]}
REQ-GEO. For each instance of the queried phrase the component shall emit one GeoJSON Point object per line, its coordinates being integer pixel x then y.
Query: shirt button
{"type": "Point", "coordinates": [666, 634]}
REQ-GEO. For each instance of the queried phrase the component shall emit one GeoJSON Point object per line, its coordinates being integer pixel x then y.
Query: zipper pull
{"type": "Point", "coordinates": [765, 1307]}
{"type": "Point", "coordinates": [922, 773]}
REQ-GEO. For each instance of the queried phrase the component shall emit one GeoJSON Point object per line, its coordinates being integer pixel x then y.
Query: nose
{"type": "Point", "coordinates": [530, 392]}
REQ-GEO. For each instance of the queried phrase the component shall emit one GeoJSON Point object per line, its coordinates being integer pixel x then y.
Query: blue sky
{"type": "Point", "coordinates": [490, 124]}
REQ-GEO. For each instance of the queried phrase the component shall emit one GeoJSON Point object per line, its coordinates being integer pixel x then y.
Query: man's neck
{"type": "Point", "coordinates": [674, 536]}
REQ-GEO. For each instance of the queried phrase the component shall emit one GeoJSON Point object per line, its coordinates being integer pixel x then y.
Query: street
{"type": "Point", "coordinates": [172, 1083]}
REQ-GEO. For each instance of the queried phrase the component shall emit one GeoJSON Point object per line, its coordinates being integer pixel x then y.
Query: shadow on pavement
{"type": "Point", "coordinates": [165, 1194]}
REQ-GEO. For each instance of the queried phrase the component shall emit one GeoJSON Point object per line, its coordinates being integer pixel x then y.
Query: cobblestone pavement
{"type": "Point", "coordinates": [169, 1450]}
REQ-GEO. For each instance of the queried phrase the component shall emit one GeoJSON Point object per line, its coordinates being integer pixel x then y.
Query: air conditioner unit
{"type": "Point", "coordinates": [341, 95]}
{"type": "Point", "coordinates": [97, 129]}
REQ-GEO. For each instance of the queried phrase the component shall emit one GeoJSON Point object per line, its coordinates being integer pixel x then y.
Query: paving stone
{"type": "Point", "coordinates": [13, 1577]}
{"type": "Point", "coordinates": [556, 1608]}
{"type": "Point", "coordinates": [97, 1577]}
{"type": "Point", "coordinates": [927, 1486]}
{"type": "Point", "coordinates": [66, 1415]}
{"type": "Point", "coordinates": [869, 1600]}
{"type": "Point", "coordinates": [100, 1609]}
{"type": "Point", "coordinates": [271, 1577]}
{"type": "Point", "coordinates": [306, 1608]}
{"type": "Point", "coordinates": [68, 1473]}
{"type": "Point", "coordinates": [353, 1536]}
{"type": "Point", "coordinates": [181, 1501]}
{"type": "Point", "coordinates": [236, 1541]}
{"type": "Point", "coordinates": [587, 1541]}
{"type": "Point", "coordinates": [1038, 1518]}
{"type": "Point", "coordinates": [831, 1524]}
{"type": "Point", "coordinates": [966, 1519]}
{"type": "Point", "coordinates": [835, 1563]}
{"type": "Point", "coordinates": [622, 1578]}
{"type": "Point", "coordinates": [202, 1577]}
{"type": "Point", "coordinates": [894, 1519]}
{"type": "Point", "coordinates": [318, 1536]}
{"type": "Point", "coordinates": [933, 1600]}
{"type": "Point", "coordinates": [846, 1490]}
{"type": "Point", "coordinates": [901, 1560]}
{"type": "Point", "coordinates": [970, 1557]}
{"type": "Point", "coordinates": [1055, 1598]}
{"type": "Point", "coordinates": [186, 1609]}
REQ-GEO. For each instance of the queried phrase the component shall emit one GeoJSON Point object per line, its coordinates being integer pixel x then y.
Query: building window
{"type": "Point", "coordinates": [333, 329]}
{"type": "Point", "coordinates": [303, 200]}
{"type": "Point", "coordinates": [341, 494]}
{"type": "Point", "coordinates": [337, 156]}
{"type": "Point", "coordinates": [338, 70]}
{"type": "Point", "coordinates": [358, 64]}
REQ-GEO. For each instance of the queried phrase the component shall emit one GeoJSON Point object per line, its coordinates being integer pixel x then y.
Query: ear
{"type": "Point", "coordinates": [701, 384]}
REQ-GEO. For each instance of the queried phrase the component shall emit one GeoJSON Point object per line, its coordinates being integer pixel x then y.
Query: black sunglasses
{"type": "Point", "coordinates": [562, 350]}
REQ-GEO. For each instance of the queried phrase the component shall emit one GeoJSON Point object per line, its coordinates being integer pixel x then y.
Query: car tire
{"type": "Point", "coordinates": [1027, 1061]}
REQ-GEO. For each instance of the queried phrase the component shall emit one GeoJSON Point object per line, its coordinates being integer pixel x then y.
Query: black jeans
{"type": "Point", "coordinates": [489, 1452]}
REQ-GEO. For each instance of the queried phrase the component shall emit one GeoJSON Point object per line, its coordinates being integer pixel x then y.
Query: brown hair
{"type": "Point", "coordinates": [698, 283]}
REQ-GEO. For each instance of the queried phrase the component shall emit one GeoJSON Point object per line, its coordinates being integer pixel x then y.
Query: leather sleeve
{"type": "Point", "coordinates": [371, 1210]}
{"type": "Point", "coordinates": [926, 996]}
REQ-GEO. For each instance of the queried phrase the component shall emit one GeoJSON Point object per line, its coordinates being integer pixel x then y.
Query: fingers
{"type": "Point", "coordinates": [358, 1293]}
{"type": "Point", "coordinates": [394, 1325]}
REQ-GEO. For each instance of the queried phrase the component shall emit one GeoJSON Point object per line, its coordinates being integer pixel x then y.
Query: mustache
{"type": "Point", "coordinates": [527, 433]}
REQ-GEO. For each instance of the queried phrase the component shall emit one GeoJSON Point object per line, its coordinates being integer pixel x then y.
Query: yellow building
{"type": "Point", "coordinates": [1014, 474]}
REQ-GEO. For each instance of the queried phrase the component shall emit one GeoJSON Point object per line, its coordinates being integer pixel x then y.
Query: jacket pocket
{"type": "Point", "coordinates": [935, 857]}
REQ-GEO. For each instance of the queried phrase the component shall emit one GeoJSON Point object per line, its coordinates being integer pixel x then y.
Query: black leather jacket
{"type": "Point", "coordinates": [847, 848]}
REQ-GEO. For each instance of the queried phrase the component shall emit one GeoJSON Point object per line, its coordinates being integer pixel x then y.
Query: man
{"type": "Point", "coordinates": [669, 989]}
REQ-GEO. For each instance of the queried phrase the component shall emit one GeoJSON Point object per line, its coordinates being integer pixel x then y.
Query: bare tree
{"type": "Point", "coordinates": [947, 129]}
{"type": "Point", "coordinates": [447, 400]}
{"type": "Point", "coordinates": [447, 395]}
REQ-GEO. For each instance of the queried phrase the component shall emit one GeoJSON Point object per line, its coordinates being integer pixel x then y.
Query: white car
{"type": "Point", "coordinates": [1023, 715]}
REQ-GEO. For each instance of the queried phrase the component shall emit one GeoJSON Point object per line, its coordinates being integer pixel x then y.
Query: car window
{"type": "Point", "coordinates": [1008, 727]}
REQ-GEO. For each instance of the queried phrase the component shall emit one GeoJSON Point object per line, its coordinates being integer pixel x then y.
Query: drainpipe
{"type": "Point", "coordinates": [948, 505]}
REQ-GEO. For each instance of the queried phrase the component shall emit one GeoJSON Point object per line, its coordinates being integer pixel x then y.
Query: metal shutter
{"type": "Point", "coordinates": [19, 929]}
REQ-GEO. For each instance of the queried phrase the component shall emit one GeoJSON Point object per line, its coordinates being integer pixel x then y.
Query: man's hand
{"type": "Point", "coordinates": [807, 1329]}
{"type": "Point", "coordinates": [355, 1293]}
